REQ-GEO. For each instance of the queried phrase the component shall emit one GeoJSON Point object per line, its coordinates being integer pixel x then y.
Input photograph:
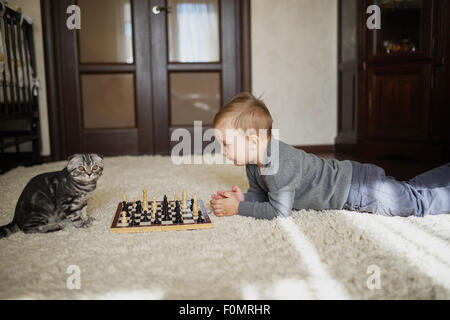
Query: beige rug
{"type": "Point", "coordinates": [318, 255]}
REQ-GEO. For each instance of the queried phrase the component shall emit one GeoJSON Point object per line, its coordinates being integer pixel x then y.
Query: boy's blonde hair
{"type": "Point", "coordinates": [247, 113]}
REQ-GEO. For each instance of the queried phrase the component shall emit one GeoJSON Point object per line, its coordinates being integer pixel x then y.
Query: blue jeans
{"type": "Point", "coordinates": [372, 191]}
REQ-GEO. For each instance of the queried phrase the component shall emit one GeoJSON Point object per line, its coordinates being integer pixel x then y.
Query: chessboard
{"type": "Point", "coordinates": [147, 216]}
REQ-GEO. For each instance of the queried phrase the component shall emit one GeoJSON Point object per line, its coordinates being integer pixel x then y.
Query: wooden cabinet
{"type": "Point", "coordinates": [389, 100]}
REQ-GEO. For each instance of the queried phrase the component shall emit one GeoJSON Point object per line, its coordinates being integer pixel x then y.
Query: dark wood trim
{"type": "Point", "coordinates": [56, 135]}
{"type": "Point", "coordinates": [194, 67]}
{"type": "Point", "coordinates": [246, 46]}
{"type": "Point", "coordinates": [316, 149]}
{"type": "Point", "coordinates": [143, 85]}
{"type": "Point", "coordinates": [46, 159]}
{"type": "Point", "coordinates": [106, 68]}
{"type": "Point", "coordinates": [159, 78]}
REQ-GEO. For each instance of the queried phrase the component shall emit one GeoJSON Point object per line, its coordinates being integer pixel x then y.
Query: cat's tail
{"type": "Point", "coordinates": [8, 229]}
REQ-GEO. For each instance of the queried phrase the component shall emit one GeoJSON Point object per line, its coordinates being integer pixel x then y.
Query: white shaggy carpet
{"type": "Point", "coordinates": [310, 255]}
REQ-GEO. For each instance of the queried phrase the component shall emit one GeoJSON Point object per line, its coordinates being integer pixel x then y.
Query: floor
{"type": "Point", "coordinates": [311, 255]}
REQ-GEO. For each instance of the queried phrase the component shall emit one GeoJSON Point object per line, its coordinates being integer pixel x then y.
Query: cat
{"type": "Point", "coordinates": [52, 200]}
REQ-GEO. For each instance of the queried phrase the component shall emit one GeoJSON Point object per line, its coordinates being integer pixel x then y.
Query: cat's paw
{"type": "Point", "coordinates": [88, 222]}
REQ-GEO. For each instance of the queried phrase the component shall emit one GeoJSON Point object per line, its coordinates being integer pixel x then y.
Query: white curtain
{"type": "Point", "coordinates": [194, 31]}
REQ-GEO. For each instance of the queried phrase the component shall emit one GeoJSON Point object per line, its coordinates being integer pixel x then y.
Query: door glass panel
{"type": "Point", "coordinates": [349, 25]}
{"type": "Point", "coordinates": [401, 26]}
{"type": "Point", "coordinates": [106, 33]}
{"type": "Point", "coordinates": [108, 101]}
{"type": "Point", "coordinates": [194, 96]}
{"type": "Point", "coordinates": [193, 27]}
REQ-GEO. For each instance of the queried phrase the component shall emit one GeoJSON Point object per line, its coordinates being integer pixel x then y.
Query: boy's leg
{"type": "Point", "coordinates": [372, 191]}
{"type": "Point", "coordinates": [436, 178]}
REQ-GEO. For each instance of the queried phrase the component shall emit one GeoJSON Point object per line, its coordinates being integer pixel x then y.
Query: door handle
{"type": "Point", "coordinates": [158, 9]}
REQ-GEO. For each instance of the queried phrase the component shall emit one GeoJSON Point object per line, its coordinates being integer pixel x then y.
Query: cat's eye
{"type": "Point", "coordinates": [95, 167]}
{"type": "Point", "coordinates": [81, 168]}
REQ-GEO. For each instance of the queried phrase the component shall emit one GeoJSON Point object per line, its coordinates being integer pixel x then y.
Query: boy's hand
{"type": "Point", "coordinates": [226, 203]}
{"type": "Point", "coordinates": [235, 192]}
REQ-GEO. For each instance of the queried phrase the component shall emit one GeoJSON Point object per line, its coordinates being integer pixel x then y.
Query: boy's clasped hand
{"type": "Point", "coordinates": [226, 203]}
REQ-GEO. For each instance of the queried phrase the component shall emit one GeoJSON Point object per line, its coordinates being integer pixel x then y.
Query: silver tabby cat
{"type": "Point", "coordinates": [51, 200]}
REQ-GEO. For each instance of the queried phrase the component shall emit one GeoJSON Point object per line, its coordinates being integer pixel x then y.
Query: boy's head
{"type": "Point", "coordinates": [243, 128]}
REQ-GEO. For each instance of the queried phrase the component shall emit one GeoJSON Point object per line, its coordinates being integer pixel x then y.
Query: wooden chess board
{"type": "Point", "coordinates": [189, 221]}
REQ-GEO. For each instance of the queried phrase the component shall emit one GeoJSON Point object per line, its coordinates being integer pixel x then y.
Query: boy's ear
{"type": "Point", "coordinates": [254, 139]}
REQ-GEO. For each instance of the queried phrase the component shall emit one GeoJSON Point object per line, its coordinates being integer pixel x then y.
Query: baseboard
{"type": "Point", "coordinates": [321, 148]}
{"type": "Point", "coordinates": [46, 159]}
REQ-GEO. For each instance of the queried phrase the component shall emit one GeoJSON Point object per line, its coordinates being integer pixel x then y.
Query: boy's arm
{"type": "Point", "coordinates": [279, 204]}
{"type": "Point", "coordinates": [254, 193]}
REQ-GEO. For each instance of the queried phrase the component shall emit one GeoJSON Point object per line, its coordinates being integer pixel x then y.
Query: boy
{"type": "Point", "coordinates": [294, 179]}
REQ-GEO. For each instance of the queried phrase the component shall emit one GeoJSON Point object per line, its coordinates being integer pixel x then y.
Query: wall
{"type": "Point", "coordinates": [294, 67]}
{"type": "Point", "coordinates": [32, 8]}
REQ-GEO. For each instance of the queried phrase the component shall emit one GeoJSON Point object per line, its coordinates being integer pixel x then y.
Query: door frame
{"type": "Point", "coordinates": [63, 100]}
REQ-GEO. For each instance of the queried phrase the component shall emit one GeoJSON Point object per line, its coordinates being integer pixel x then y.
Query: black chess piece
{"type": "Point", "coordinates": [200, 217]}
{"type": "Point", "coordinates": [145, 218]}
{"type": "Point", "coordinates": [138, 206]}
{"type": "Point", "coordinates": [127, 210]}
{"type": "Point", "coordinates": [157, 220]}
{"type": "Point", "coordinates": [178, 216]}
{"type": "Point", "coordinates": [192, 205]}
{"type": "Point", "coordinates": [133, 222]}
{"type": "Point", "coordinates": [166, 214]}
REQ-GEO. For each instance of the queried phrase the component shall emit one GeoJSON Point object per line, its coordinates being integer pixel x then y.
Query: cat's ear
{"type": "Point", "coordinates": [73, 156]}
{"type": "Point", "coordinates": [98, 155]}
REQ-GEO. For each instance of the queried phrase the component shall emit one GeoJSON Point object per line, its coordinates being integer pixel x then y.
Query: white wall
{"type": "Point", "coordinates": [32, 9]}
{"type": "Point", "coordinates": [294, 67]}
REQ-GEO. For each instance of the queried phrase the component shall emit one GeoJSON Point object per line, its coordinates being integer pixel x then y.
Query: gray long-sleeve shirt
{"type": "Point", "coordinates": [298, 180]}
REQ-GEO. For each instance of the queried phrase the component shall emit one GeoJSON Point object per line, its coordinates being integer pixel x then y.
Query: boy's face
{"type": "Point", "coordinates": [236, 146]}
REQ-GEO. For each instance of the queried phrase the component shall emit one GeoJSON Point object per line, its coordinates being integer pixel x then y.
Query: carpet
{"type": "Point", "coordinates": [311, 255]}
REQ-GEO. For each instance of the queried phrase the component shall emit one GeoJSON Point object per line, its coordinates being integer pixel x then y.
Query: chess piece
{"type": "Point", "coordinates": [195, 206]}
{"type": "Point", "coordinates": [154, 208]}
{"type": "Point", "coordinates": [124, 218]}
{"type": "Point", "coordinates": [124, 203]}
{"type": "Point", "coordinates": [183, 200]}
{"type": "Point", "coordinates": [191, 207]}
{"type": "Point", "coordinates": [127, 210]}
{"type": "Point", "coordinates": [144, 200]}
{"type": "Point", "coordinates": [166, 214]}
{"type": "Point", "coordinates": [200, 218]}
{"type": "Point", "coordinates": [133, 221]}
{"type": "Point", "coordinates": [145, 219]}
{"type": "Point", "coordinates": [138, 206]}
{"type": "Point", "coordinates": [178, 215]}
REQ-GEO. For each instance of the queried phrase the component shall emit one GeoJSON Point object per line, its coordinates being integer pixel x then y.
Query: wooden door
{"type": "Point", "coordinates": [197, 62]}
{"type": "Point", "coordinates": [399, 102]}
{"type": "Point", "coordinates": [117, 86]}
{"type": "Point", "coordinates": [99, 88]}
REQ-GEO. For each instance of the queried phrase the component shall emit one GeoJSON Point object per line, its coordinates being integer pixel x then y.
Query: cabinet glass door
{"type": "Point", "coordinates": [404, 28]}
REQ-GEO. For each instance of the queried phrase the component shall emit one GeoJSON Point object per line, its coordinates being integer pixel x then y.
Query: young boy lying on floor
{"type": "Point", "coordinates": [283, 178]}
